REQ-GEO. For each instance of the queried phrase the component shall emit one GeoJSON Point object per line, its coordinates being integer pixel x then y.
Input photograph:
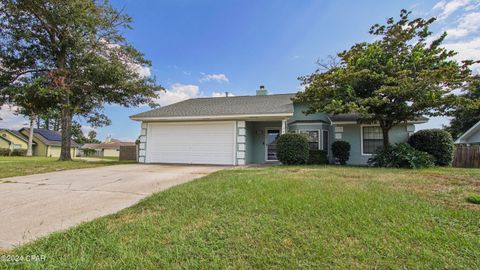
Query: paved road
{"type": "Point", "coordinates": [36, 205]}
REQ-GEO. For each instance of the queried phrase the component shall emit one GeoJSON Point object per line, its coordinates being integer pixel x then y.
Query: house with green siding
{"type": "Point", "coordinates": [239, 130]}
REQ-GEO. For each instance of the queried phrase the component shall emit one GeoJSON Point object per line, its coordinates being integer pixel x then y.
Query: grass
{"type": "Point", "coordinates": [110, 158]}
{"type": "Point", "coordinates": [284, 217]}
{"type": "Point", "coordinates": [473, 199]}
{"type": "Point", "coordinates": [18, 166]}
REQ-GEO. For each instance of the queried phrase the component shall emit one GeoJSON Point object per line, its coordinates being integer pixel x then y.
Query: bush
{"type": "Point", "coordinates": [436, 142]}
{"type": "Point", "coordinates": [4, 152]}
{"type": "Point", "coordinates": [317, 157]}
{"type": "Point", "coordinates": [474, 199]}
{"type": "Point", "coordinates": [401, 155]}
{"type": "Point", "coordinates": [89, 152]}
{"type": "Point", "coordinates": [292, 149]}
{"type": "Point", "coordinates": [341, 151]}
{"type": "Point", "coordinates": [19, 152]}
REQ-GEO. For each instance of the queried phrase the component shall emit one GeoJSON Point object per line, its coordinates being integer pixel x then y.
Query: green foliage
{"type": "Point", "coordinates": [4, 152]}
{"type": "Point", "coordinates": [31, 94]}
{"type": "Point", "coordinates": [341, 151]}
{"type": "Point", "coordinates": [401, 155]}
{"type": "Point", "coordinates": [436, 142]}
{"type": "Point", "coordinates": [79, 137]}
{"type": "Point", "coordinates": [292, 149]}
{"type": "Point", "coordinates": [317, 157]}
{"type": "Point", "coordinates": [466, 117]}
{"type": "Point", "coordinates": [396, 78]}
{"type": "Point", "coordinates": [19, 152]}
{"type": "Point", "coordinates": [89, 152]}
{"type": "Point", "coordinates": [473, 199]}
{"type": "Point", "coordinates": [80, 48]}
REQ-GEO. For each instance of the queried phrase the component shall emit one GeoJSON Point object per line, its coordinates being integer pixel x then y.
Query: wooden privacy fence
{"type": "Point", "coordinates": [128, 152]}
{"type": "Point", "coordinates": [467, 156]}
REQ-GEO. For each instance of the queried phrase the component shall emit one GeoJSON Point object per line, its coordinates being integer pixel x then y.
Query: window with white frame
{"type": "Point", "coordinates": [313, 138]}
{"type": "Point", "coordinates": [372, 139]}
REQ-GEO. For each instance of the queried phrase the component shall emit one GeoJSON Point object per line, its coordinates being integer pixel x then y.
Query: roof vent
{"type": "Point", "coordinates": [262, 91]}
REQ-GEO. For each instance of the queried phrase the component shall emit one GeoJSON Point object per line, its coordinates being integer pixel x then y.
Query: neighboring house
{"type": "Point", "coordinates": [471, 136]}
{"type": "Point", "coordinates": [109, 148]}
{"type": "Point", "coordinates": [244, 129]}
{"type": "Point", "coordinates": [48, 142]}
{"type": "Point", "coordinates": [13, 139]}
{"type": "Point", "coordinates": [4, 143]}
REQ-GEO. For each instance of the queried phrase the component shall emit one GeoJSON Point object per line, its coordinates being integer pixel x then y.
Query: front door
{"type": "Point", "coordinates": [271, 137]}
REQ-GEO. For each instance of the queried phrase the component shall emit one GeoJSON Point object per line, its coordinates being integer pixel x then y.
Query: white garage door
{"type": "Point", "coordinates": [191, 142]}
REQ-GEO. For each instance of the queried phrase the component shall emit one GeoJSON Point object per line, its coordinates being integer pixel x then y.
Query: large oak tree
{"type": "Point", "coordinates": [78, 45]}
{"type": "Point", "coordinates": [402, 75]}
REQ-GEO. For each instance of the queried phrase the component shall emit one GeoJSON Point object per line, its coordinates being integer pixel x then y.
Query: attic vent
{"type": "Point", "coordinates": [262, 91]}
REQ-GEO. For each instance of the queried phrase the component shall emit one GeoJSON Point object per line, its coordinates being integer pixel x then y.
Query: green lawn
{"type": "Point", "coordinates": [17, 166]}
{"type": "Point", "coordinates": [284, 217]}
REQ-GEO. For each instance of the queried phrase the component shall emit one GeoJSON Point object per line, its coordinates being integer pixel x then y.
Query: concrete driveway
{"type": "Point", "coordinates": [36, 205]}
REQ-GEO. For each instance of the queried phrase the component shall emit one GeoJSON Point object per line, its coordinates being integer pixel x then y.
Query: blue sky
{"type": "Point", "coordinates": [204, 48]}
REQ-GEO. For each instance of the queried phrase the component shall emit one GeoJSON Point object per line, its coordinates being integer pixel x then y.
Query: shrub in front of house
{"type": "Point", "coordinates": [436, 142]}
{"type": "Point", "coordinates": [401, 155]}
{"type": "Point", "coordinates": [89, 152]}
{"type": "Point", "coordinates": [317, 157]}
{"type": "Point", "coordinates": [341, 151]}
{"type": "Point", "coordinates": [292, 149]}
{"type": "Point", "coordinates": [4, 152]}
{"type": "Point", "coordinates": [19, 152]}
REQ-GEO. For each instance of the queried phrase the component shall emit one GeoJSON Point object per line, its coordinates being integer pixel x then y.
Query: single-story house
{"type": "Point", "coordinates": [48, 142]}
{"type": "Point", "coordinates": [242, 130]}
{"type": "Point", "coordinates": [4, 143]}
{"type": "Point", "coordinates": [109, 148]}
{"type": "Point", "coordinates": [13, 139]}
{"type": "Point", "coordinates": [471, 136]}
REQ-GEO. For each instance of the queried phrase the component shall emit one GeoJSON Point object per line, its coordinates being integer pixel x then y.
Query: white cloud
{"type": "Point", "coordinates": [447, 8]}
{"type": "Point", "coordinates": [214, 77]}
{"type": "Point", "coordinates": [222, 94]}
{"type": "Point", "coordinates": [10, 119]}
{"type": "Point", "coordinates": [178, 92]}
{"type": "Point", "coordinates": [461, 20]}
{"type": "Point", "coordinates": [467, 24]}
{"type": "Point", "coordinates": [467, 50]}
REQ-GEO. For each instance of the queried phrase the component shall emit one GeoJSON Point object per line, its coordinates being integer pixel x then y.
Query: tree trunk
{"type": "Point", "coordinates": [30, 136]}
{"type": "Point", "coordinates": [47, 123]}
{"type": "Point", "coordinates": [66, 133]}
{"type": "Point", "coordinates": [39, 121]}
{"type": "Point", "coordinates": [386, 139]}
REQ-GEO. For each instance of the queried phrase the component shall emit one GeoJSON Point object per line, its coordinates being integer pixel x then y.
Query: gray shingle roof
{"type": "Point", "coordinates": [240, 105]}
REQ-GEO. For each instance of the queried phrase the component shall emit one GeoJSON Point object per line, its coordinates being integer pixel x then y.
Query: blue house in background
{"type": "Point", "coordinates": [243, 130]}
